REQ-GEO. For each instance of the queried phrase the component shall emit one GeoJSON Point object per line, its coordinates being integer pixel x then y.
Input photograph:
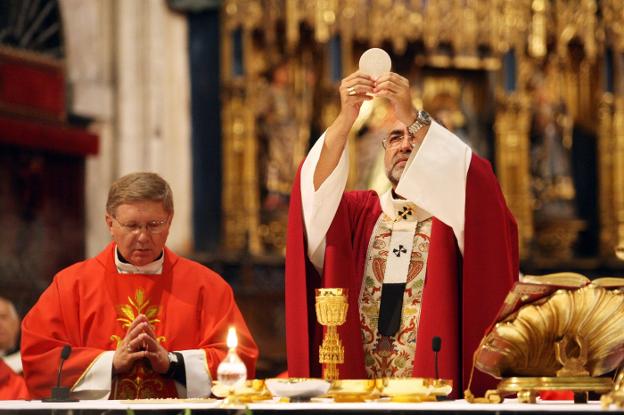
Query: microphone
{"type": "Point", "coordinates": [61, 393]}
{"type": "Point", "coordinates": [436, 345]}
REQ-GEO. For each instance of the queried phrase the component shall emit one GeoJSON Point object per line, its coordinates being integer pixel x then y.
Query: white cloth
{"type": "Point", "coordinates": [434, 179]}
{"type": "Point", "coordinates": [14, 361]}
{"type": "Point", "coordinates": [154, 267]}
{"type": "Point", "coordinates": [96, 381]}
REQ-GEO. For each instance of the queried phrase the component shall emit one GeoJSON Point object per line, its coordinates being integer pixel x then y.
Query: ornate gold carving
{"type": "Point", "coordinates": [611, 174]}
{"type": "Point", "coordinates": [512, 163]}
{"type": "Point", "coordinates": [570, 365]}
{"type": "Point", "coordinates": [618, 179]}
{"type": "Point", "coordinates": [616, 396]}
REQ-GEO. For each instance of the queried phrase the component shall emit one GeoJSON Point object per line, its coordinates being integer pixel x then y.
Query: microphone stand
{"type": "Point", "coordinates": [436, 346]}
{"type": "Point", "coordinates": [61, 393]}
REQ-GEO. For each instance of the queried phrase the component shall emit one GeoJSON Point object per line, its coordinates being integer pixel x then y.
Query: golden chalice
{"type": "Point", "coordinates": [331, 312]}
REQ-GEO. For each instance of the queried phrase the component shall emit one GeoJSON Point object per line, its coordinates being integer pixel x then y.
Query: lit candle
{"type": "Point", "coordinates": [232, 339]}
{"type": "Point", "coordinates": [231, 372]}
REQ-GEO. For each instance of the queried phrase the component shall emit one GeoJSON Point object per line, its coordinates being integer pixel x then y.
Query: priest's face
{"type": "Point", "coordinates": [399, 146]}
{"type": "Point", "coordinates": [140, 230]}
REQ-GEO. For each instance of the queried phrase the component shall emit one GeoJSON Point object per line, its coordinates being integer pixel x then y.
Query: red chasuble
{"type": "Point", "coordinates": [12, 385]}
{"type": "Point", "coordinates": [89, 305]}
{"type": "Point", "coordinates": [461, 296]}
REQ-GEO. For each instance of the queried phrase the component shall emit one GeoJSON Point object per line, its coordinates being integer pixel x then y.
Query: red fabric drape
{"type": "Point", "coordinates": [12, 385]}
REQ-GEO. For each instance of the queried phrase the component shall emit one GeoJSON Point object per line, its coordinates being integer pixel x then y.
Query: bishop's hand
{"type": "Point", "coordinates": [396, 89]}
{"type": "Point", "coordinates": [354, 90]}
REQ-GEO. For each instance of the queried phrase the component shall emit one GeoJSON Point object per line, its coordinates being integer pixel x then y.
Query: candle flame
{"type": "Point", "coordinates": [232, 340]}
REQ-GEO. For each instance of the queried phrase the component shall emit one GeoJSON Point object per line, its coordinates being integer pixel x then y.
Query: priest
{"type": "Point", "coordinates": [432, 257]}
{"type": "Point", "coordinates": [142, 322]}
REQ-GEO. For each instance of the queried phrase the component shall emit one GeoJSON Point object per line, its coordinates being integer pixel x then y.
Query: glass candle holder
{"type": "Point", "coordinates": [232, 372]}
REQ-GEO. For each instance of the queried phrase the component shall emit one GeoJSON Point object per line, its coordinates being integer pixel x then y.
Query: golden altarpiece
{"type": "Point", "coordinates": [517, 79]}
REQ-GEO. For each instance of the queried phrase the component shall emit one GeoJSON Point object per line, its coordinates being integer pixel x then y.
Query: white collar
{"type": "Point", "coordinates": [393, 207]}
{"type": "Point", "coordinates": [151, 268]}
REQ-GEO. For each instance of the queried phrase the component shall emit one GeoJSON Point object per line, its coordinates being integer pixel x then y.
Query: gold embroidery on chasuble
{"type": "Point", "coordinates": [392, 356]}
{"type": "Point", "coordinates": [141, 382]}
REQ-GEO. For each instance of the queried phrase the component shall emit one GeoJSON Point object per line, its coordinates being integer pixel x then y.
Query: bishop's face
{"type": "Point", "coordinates": [140, 230]}
{"type": "Point", "coordinates": [398, 146]}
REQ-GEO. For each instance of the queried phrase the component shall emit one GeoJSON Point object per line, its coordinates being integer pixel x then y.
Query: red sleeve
{"type": "Point", "coordinates": [219, 312]}
{"type": "Point", "coordinates": [12, 385]}
{"type": "Point", "coordinates": [47, 327]}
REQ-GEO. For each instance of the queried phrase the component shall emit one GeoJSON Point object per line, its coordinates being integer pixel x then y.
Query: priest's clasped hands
{"type": "Point", "coordinates": [140, 342]}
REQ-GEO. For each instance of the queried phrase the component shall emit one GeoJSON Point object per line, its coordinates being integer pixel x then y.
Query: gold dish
{"type": "Point", "coordinates": [251, 391]}
{"type": "Point", "coordinates": [414, 389]}
{"type": "Point", "coordinates": [353, 390]}
{"type": "Point", "coordinates": [528, 388]}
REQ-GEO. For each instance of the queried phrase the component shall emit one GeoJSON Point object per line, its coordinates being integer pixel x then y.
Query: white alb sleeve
{"type": "Point", "coordinates": [320, 206]}
{"type": "Point", "coordinates": [96, 381]}
{"type": "Point", "coordinates": [435, 178]}
{"type": "Point", "coordinates": [198, 380]}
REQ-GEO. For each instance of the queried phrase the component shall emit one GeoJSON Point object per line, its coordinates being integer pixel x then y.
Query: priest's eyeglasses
{"type": "Point", "coordinates": [395, 138]}
{"type": "Point", "coordinates": [153, 227]}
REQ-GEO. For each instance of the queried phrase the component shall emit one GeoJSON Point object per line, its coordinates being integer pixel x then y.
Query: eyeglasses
{"type": "Point", "coordinates": [395, 139]}
{"type": "Point", "coordinates": [154, 227]}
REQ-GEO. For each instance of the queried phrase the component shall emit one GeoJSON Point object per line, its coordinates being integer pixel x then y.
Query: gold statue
{"type": "Point", "coordinates": [331, 312]}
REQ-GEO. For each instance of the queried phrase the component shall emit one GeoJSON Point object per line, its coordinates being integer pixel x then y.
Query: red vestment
{"type": "Point", "coordinates": [88, 303]}
{"type": "Point", "coordinates": [12, 385]}
{"type": "Point", "coordinates": [461, 295]}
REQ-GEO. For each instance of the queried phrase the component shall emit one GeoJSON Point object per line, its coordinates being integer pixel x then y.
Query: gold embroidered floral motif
{"type": "Point", "coordinates": [127, 313]}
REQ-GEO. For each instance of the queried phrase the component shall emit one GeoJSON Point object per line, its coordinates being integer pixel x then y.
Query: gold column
{"type": "Point", "coordinates": [606, 156]}
{"type": "Point", "coordinates": [250, 183]}
{"type": "Point", "coordinates": [512, 164]}
{"type": "Point", "coordinates": [537, 36]}
{"type": "Point", "coordinates": [234, 131]}
{"type": "Point", "coordinates": [618, 169]}
{"type": "Point", "coordinates": [611, 174]}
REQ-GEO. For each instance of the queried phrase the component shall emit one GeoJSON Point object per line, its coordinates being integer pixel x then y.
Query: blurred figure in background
{"type": "Point", "coordinates": [12, 385]}
{"type": "Point", "coordinates": [9, 332]}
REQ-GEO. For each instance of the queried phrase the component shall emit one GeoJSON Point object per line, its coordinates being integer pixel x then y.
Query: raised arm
{"type": "Point", "coordinates": [354, 91]}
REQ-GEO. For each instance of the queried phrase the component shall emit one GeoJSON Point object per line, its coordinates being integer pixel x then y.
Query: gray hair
{"type": "Point", "coordinates": [139, 187]}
